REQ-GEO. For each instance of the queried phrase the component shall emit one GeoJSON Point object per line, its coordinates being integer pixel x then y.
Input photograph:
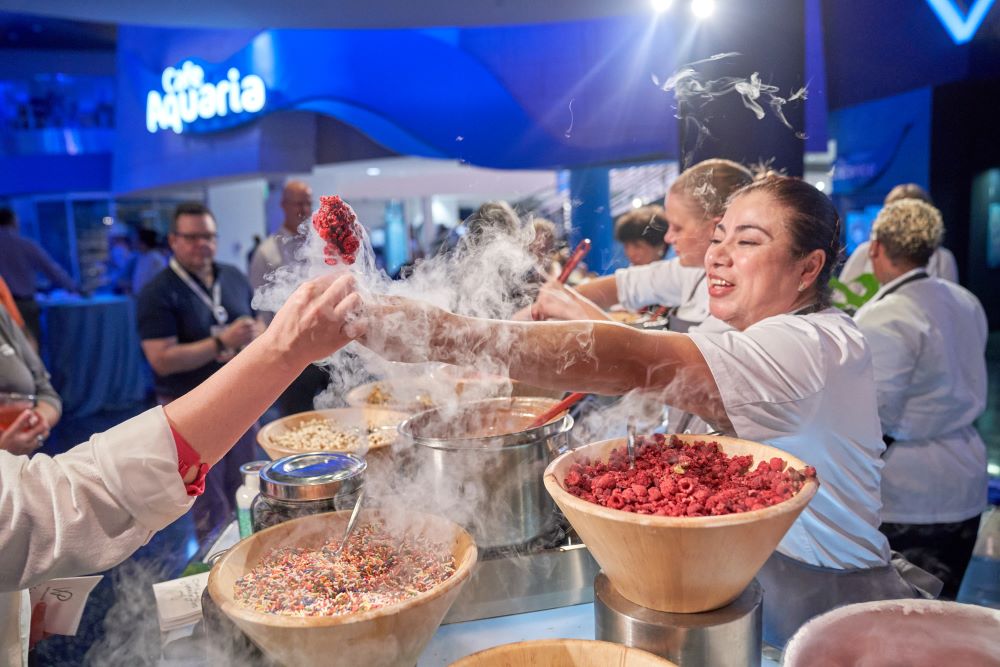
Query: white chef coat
{"type": "Point", "coordinates": [804, 384]}
{"type": "Point", "coordinates": [942, 264]}
{"type": "Point", "coordinates": [928, 341]}
{"type": "Point", "coordinates": [83, 511]}
{"type": "Point", "coordinates": [665, 283]}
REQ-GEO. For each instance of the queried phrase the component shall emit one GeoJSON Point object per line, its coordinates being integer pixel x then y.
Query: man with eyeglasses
{"type": "Point", "coordinates": [193, 317]}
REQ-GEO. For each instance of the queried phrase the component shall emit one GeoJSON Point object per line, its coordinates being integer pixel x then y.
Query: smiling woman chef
{"type": "Point", "coordinates": [794, 373]}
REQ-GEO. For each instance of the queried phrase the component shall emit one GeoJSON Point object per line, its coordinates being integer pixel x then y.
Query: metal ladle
{"type": "Point", "coordinates": [351, 523]}
{"type": "Point", "coordinates": [630, 444]}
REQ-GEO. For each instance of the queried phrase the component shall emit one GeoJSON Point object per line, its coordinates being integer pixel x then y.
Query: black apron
{"type": "Point", "coordinates": [795, 592]}
{"type": "Point", "coordinates": [675, 323]}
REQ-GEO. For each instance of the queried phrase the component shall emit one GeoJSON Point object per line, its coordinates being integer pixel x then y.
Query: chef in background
{"type": "Point", "coordinates": [941, 263]}
{"type": "Point", "coordinates": [695, 203]}
{"type": "Point", "coordinates": [928, 340]}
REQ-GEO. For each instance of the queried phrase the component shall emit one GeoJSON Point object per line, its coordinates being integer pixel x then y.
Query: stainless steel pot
{"type": "Point", "coordinates": [472, 472]}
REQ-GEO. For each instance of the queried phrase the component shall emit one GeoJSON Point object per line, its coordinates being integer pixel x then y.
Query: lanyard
{"type": "Point", "coordinates": [214, 304]}
{"type": "Point", "coordinates": [919, 275]}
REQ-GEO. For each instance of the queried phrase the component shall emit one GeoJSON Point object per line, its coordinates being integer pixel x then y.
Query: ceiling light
{"type": "Point", "coordinates": [373, 171]}
{"type": "Point", "coordinates": [636, 203]}
{"type": "Point", "coordinates": [821, 186]}
{"type": "Point", "coordinates": [660, 6]}
{"type": "Point", "coordinates": [702, 8]}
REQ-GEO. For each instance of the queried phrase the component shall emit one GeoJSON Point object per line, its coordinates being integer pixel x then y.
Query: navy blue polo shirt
{"type": "Point", "coordinates": [166, 307]}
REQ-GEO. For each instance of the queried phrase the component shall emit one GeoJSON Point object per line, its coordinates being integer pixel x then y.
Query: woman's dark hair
{"type": "Point", "coordinates": [812, 220]}
{"type": "Point", "coordinates": [7, 217]}
{"type": "Point", "coordinates": [646, 224]}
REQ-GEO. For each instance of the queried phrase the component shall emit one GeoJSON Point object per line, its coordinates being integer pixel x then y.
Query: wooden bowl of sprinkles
{"type": "Point", "coordinates": [390, 636]}
{"type": "Point", "coordinates": [335, 429]}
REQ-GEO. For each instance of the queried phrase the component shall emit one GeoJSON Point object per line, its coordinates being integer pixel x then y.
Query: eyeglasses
{"type": "Point", "coordinates": [208, 237]}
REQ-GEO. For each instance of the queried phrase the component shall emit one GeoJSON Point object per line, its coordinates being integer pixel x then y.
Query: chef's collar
{"type": "Point", "coordinates": [899, 281]}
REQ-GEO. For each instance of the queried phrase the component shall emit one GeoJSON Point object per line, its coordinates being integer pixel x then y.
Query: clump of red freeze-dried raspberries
{"type": "Point", "coordinates": [675, 478]}
{"type": "Point", "coordinates": [338, 226]}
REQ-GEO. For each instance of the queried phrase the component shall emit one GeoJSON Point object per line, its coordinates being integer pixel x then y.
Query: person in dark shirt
{"type": "Point", "coordinates": [193, 317]}
{"type": "Point", "coordinates": [21, 260]}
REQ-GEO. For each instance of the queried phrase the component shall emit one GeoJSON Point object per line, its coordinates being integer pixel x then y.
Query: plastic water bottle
{"type": "Point", "coordinates": [981, 584]}
{"type": "Point", "coordinates": [245, 495]}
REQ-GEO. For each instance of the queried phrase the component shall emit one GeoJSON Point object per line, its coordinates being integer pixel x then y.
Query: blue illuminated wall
{"type": "Point", "coordinates": [525, 97]}
{"type": "Point", "coordinates": [565, 95]}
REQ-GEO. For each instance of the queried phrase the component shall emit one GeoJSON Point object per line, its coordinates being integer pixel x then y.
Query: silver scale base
{"type": "Point", "coordinates": [725, 637]}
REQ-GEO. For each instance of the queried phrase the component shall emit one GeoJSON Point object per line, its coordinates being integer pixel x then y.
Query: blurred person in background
{"type": "Point", "coordinates": [279, 250]}
{"type": "Point", "coordinates": [7, 301]}
{"type": "Point", "coordinates": [695, 203]}
{"type": "Point", "coordinates": [193, 317]}
{"type": "Point", "coordinates": [121, 260]}
{"type": "Point", "coordinates": [543, 247]}
{"type": "Point", "coordinates": [29, 406]}
{"type": "Point", "coordinates": [149, 259]}
{"type": "Point", "coordinates": [942, 263]}
{"type": "Point", "coordinates": [641, 233]}
{"type": "Point", "coordinates": [21, 260]}
{"type": "Point", "coordinates": [928, 341]}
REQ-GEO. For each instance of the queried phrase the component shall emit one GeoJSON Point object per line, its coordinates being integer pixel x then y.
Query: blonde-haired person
{"type": "Point", "coordinates": [695, 203]}
{"type": "Point", "coordinates": [941, 263]}
{"type": "Point", "coordinates": [928, 340]}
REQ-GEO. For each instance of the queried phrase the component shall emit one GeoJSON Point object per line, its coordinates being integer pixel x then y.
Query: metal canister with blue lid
{"type": "Point", "coordinates": [305, 484]}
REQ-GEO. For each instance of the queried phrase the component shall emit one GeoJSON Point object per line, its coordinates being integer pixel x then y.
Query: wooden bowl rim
{"type": "Point", "coordinates": [563, 497]}
{"type": "Point", "coordinates": [266, 433]}
{"type": "Point", "coordinates": [229, 606]}
{"type": "Point", "coordinates": [545, 643]}
{"type": "Point", "coordinates": [355, 397]}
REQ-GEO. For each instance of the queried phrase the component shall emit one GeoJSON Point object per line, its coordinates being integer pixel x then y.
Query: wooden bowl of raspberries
{"type": "Point", "coordinates": [689, 527]}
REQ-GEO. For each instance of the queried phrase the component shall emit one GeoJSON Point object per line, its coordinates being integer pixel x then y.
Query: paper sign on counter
{"type": "Point", "coordinates": [178, 602]}
{"type": "Point", "coordinates": [64, 602]}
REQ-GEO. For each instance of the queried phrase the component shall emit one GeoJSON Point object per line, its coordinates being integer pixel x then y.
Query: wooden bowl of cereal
{"type": "Point", "coordinates": [416, 396]}
{"type": "Point", "coordinates": [335, 429]}
{"type": "Point", "coordinates": [376, 604]}
{"type": "Point", "coordinates": [562, 653]}
{"type": "Point", "coordinates": [688, 558]}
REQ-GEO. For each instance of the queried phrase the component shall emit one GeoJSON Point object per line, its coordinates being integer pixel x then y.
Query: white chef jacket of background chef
{"type": "Point", "coordinates": [804, 384]}
{"type": "Point", "coordinates": [928, 341]}
{"type": "Point", "coordinates": [941, 264]}
{"type": "Point", "coordinates": [82, 512]}
{"type": "Point", "coordinates": [667, 283]}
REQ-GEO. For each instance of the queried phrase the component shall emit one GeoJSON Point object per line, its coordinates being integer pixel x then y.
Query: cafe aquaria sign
{"type": "Point", "coordinates": [186, 98]}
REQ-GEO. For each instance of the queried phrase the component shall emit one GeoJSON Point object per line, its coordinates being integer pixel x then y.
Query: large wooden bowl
{"type": "Point", "coordinates": [562, 653]}
{"type": "Point", "coordinates": [386, 420]}
{"type": "Point", "coordinates": [678, 564]}
{"type": "Point", "coordinates": [916, 633]}
{"type": "Point", "coordinates": [392, 636]}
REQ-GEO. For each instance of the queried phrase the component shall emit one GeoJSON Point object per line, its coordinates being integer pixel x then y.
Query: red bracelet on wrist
{"type": "Point", "coordinates": [188, 458]}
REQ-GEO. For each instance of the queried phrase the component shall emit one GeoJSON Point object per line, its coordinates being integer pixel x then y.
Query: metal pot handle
{"type": "Point", "coordinates": [563, 435]}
